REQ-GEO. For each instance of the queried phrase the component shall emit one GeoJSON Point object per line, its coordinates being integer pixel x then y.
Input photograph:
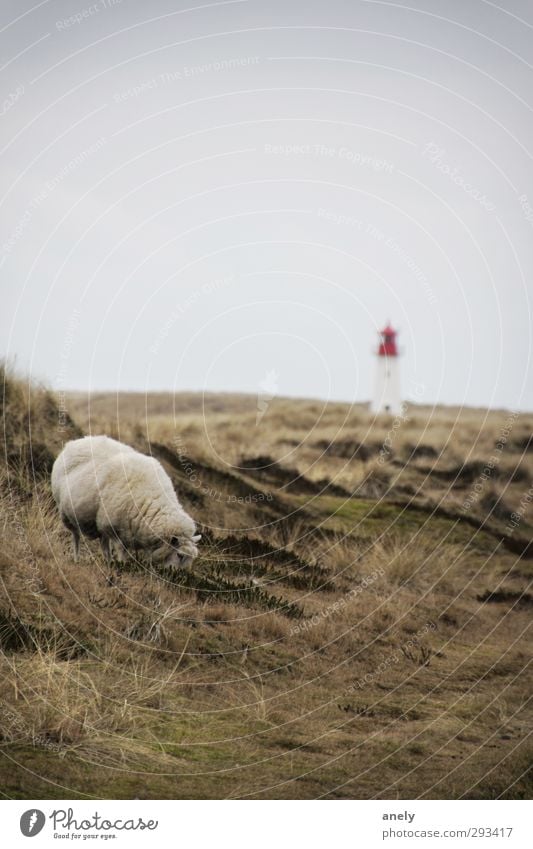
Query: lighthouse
{"type": "Point", "coordinates": [387, 386]}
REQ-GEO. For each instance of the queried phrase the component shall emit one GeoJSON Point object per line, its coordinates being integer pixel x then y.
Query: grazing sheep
{"type": "Point", "coordinates": [108, 491]}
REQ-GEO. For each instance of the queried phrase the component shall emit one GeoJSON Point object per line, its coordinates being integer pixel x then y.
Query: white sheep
{"type": "Point", "coordinates": [108, 491]}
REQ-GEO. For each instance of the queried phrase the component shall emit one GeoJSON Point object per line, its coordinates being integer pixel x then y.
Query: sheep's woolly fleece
{"type": "Point", "coordinates": [107, 490]}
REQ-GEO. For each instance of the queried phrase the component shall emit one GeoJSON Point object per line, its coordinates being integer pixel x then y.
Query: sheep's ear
{"type": "Point", "coordinates": [197, 537]}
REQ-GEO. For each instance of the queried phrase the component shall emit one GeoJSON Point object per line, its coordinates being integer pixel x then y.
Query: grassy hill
{"type": "Point", "coordinates": [355, 627]}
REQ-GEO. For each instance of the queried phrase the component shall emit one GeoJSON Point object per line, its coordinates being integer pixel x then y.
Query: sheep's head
{"type": "Point", "coordinates": [179, 552]}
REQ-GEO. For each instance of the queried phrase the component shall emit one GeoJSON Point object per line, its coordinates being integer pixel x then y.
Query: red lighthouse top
{"type": "Point", "coordinates": [387, 342]}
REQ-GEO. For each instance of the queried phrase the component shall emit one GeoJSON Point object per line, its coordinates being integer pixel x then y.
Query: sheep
{"type": "Point", "coordinates": [78, 462]}
{"type": "Point", "coordinates": [106, 490]}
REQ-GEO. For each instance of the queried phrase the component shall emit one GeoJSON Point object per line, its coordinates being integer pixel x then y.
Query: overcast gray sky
{"type": "Point", "coordinates": [198, 195]}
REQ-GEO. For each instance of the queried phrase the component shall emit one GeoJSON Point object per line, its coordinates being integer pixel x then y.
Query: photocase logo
{"type": "Point", "coordinates": [32, 822]}
{"type": "Point", "coordinates": [268, 388]}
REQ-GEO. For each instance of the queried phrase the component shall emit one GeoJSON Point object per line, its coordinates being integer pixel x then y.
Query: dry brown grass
{"type": "Point", "coordinates": [324, 644]}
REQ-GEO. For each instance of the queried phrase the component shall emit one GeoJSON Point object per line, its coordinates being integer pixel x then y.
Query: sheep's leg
{"type": "Point", "coordinates": [75, 544]}
{"type": "Point", "coordinates": [104, 544]}
{"type": "Point", "coordinates": [120, 551]}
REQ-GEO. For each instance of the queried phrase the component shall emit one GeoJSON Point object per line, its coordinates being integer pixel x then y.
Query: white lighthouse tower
{"type": "Point", "coordinates": [387, 386]}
